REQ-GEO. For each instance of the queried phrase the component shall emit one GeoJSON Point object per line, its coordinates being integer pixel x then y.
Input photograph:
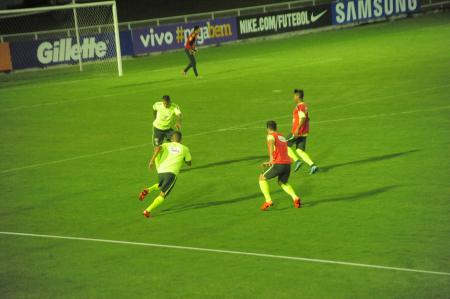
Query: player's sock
{"type": "Point", "coordinates": [293, 155]}
{"type": "Point", "coordinates": [158, 200]}
{"type": "Point", "coordinates": [264, 185]}
{"type": "Point", "coordinates": [153, 188]}
{"type": "Point", "coordinates": [289, 190]}
{"type": "Point", "coordinates": [305, 157]}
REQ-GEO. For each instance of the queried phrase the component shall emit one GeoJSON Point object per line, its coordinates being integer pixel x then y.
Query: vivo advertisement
{"type": "Point", "coordinates": [168, 37]}
{"type": "Point", "coordinates": [353, 11]}
{"type": "Point", "coordinates": [141, 41]}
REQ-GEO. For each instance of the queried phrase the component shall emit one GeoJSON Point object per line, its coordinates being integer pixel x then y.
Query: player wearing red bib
{"type": "Point", "coordinates": [190, 48]}
{"type": "Point", "coordinates": [300, 130]}
{"type": "Point", "coordinates": [279, 166]}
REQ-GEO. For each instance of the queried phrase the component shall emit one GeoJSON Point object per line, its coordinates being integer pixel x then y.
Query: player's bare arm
{"type": "Point", "coordinates": [270, 146]}
{"type": "Point", "coordinates": [156, 151]}
{"type": "Point", "coordinates": [178, 122]}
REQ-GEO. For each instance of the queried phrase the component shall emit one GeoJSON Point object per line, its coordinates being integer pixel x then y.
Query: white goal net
{"type": "Point", "coordinates": [83, 36]}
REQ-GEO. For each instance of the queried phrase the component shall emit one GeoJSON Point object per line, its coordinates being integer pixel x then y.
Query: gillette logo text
{"type": "Point", "coordinates": [64, 50]}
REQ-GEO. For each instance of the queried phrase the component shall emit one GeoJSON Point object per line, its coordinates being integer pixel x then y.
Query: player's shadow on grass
{"type": "Point", "coordinates": [306, 204]}
{"type": "Point", "coordinates": [208, 204]}
{"type": "Point", "coordinates": [367, 160]}
{"type": "Point", "coordinates": [152, 82]}
{"type": "Point", "coordinates": [225, 162]}
{"type": "Point", "coordinates": [349, 197]}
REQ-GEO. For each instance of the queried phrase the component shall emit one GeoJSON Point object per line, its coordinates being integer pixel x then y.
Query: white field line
{"type": "Point", "coordinates": [76, 158]}
{"type": "Point", "coordinates": [108, 95]}
{"type": "Point", "coordinates": [229, 61]}
{"type": "Point", "coordinates": [303, 259]}
{"type": "Point", "coordinates": [354, 117]}
{"type": "Point", "coordinates": [350, 103]}
{"type": "Point", "coordinates": [68, 82]}
{"type": "Point", "coordinates": [179, 83]}
{"type": "Point", "coordinates": [240, 127]}
{"type": "Point", "coordinates": [183, 83]}
{"type": "Point", "coordinates": [120, 149]}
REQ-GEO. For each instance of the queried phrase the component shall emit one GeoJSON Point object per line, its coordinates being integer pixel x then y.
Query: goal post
{"type": "Point", "coordinates": [84, 34]}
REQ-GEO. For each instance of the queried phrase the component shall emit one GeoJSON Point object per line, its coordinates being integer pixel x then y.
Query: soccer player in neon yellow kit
{"type": "Point", "coordinates": [167, 118]}
{"type": "Point", "coordinates": [168, 159]}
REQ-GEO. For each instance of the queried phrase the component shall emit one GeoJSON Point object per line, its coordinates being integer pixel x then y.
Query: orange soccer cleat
{"type": "Point", "coordinates": [146, 214]}
{"type": "Point", "coordinates": [297, 203]}
{"type": "Point", "coordinates": [143, 194]}
{"type": "Point", "coordinates": [266, 205]}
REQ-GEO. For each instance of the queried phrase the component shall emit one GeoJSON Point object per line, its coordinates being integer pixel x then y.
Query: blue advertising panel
{"type": "Point", "coordinates": [353, 11]}
{"type": "Point", "coordinates": [50, 52]}
{"type": "Point", "coordinates": [295, 19]}
{"type": "Point", "coordinates": [168, 37]}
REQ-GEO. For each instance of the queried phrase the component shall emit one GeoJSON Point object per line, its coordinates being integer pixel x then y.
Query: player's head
{"type": "Point", "coordinates": [197, 29]}
{"type": "Point", "coordinates": [271, 126]}
{"type": "Point", "coordinates": [298, 95]}
{"type": "Point", "coordinates": [166, 101]}
{"type": "Point", "coordinates": [176, 136]}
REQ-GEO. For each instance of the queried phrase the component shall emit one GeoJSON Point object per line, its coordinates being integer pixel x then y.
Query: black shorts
{"type": "Point", "coordinates": [282, 171]}
{"type": "Point", "coordinates": [191, 56]}
{"type": "Point", "coordinates": [299, 142]}
{"type": "Point", "coordinates": [166, 182]}
{"type": "Point", "coordinates": [159, 136]}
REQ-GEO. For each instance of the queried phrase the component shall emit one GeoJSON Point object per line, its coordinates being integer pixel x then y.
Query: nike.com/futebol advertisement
{"type": "Point", "coordinates": [284, 21]}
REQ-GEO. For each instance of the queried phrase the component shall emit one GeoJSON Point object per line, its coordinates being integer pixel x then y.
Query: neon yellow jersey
{"type": "Point", "coordinates": [165, 117]}
{"type": "Point", "coordinates": [172, 157]}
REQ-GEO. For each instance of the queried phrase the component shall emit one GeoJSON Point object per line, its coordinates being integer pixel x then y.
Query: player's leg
{"type": "Point", "coordinates": [158, 139]}
{"type": "Point", "coordinates": [301, 147]}
{"type": "Point", "coordinates": [194, 65]}
{"type": "Point", "coordinates": [283, 179]}
{"type": "Point", "coordinates": [158, 136]}
{"type": "Point", "coordinates": [190, 61]}
{"type": "Point", "coordinates": [146, 191]}
{"type": "Point", "coordinates": [166, 182]}
{"type": "Point", "coordinates": [271, 172]}
{"type": "Point", "coordinates": [292, 154]}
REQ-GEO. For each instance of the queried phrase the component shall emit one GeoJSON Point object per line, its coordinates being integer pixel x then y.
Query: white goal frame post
{"type": "Point", "coordinates": [74, 6]}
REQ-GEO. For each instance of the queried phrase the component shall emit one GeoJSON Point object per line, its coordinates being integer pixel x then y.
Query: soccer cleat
{"type": "Point", "coordinates": [143, 194]}
{"type": "Point", "coordinates": [146, 214]}
{"type": "Point", "coordinates": [297, 165]}
{"type": "Point", "coordinates": [297, 203]}
{"type": "Point", "coordinates": [184, 73]}
{"type": "Point", "coordinates": [266, 205]}
{"type": "Point", "coordinates": [314, 169]}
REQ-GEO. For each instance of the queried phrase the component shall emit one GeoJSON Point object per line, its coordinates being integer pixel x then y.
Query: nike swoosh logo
{"type": "Point", "coordinates": [315, 18]}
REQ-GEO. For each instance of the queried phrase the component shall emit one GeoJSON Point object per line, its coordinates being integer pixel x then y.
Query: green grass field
{"type": "Point", "coordinates": [74, 149]}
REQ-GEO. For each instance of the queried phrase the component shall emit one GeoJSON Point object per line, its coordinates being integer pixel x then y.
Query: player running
{"type": "Point", "coordinates": [168, 159]}
{"type": "Point", "coordinates": [279, 166]}
{"type": "Point", "coordinates": [300, 130]}
{"type": "Point", "coordinates": [167, 117]}
{"type": "Point", "coordinates": [190, 48]}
